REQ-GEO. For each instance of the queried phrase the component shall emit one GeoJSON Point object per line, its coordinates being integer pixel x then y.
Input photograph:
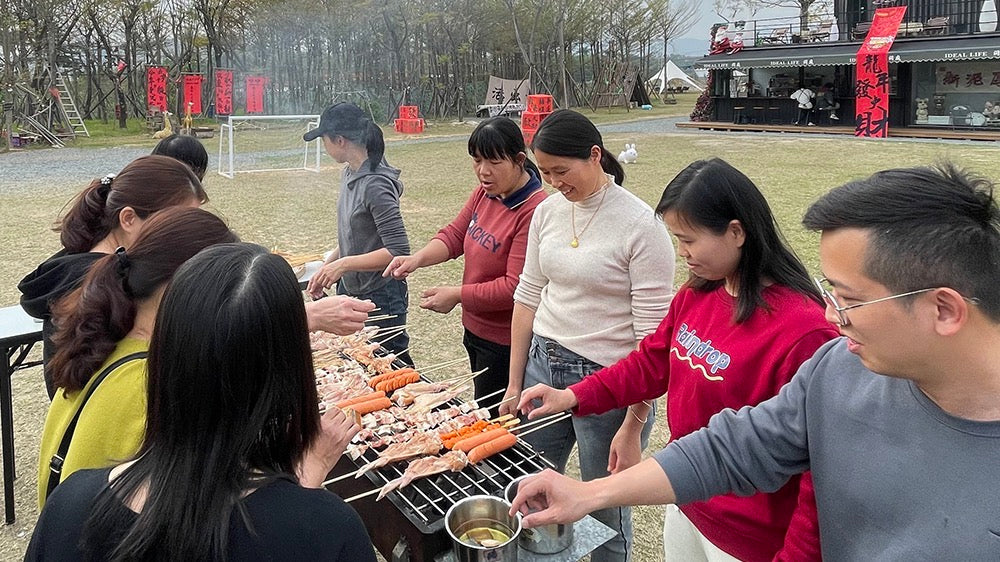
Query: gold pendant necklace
{"type": "Point", "coordinates": [575, 243]}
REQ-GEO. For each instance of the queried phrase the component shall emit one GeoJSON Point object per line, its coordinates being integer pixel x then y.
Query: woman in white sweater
{"type": "Point", "coordinates": [597, 278]}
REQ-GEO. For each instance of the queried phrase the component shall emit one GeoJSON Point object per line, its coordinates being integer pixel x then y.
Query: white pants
{"type": "Point", "coordinates": [683, 542]}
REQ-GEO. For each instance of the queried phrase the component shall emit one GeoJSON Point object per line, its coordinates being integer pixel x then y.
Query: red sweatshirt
{"type": "Point", "coordinates": [705, 363]}
{"type": "Point", "coordinates": [493, 235]}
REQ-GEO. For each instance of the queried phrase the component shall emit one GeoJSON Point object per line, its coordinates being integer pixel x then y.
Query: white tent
{"type": "Point", "coordinates": [670, 73]}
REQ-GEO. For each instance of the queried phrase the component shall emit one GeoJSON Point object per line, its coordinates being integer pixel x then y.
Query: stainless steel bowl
{"type": "Point", "coordinates": [477, 513]}
{"type": "Point", "coordinates": [547, 539]}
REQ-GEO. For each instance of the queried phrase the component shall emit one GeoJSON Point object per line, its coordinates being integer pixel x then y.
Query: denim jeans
{"type": "Point", "coordinates": [391, 298]}
{"type": "Point", "coordinates": [495, 357]}
{"type": "Point", "coordinates": [552, 364]}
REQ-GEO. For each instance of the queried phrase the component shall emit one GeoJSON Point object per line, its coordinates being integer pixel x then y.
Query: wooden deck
{"type": "Point", "coordinates": [901, 132]}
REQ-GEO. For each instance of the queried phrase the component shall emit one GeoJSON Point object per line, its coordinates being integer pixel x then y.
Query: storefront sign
{"type": "Point", "coordinates": [968, 77]}
{"type": "Point", "coordinates": [872, 85]}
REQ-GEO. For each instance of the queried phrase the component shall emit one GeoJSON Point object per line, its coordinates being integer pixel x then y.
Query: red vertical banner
{"type": "Point", "coordinates": [156, 87]}
{"type": "Point", "coordinates": [223, 92]}
{"type": "Point", "coordinates": [192, 92]}
{"type": "Point", "coordinates": [871, 88]}
{"type": "Point", "coordinates": [255, 93]}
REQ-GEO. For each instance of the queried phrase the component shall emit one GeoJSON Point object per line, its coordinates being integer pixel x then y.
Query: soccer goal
{"type": "Point", "coordinates": [267, 143]}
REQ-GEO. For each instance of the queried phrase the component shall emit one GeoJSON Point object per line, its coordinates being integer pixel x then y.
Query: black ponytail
{"type": "Point", "coordinates": [570, 134]}
{"type": "Point", "coordinates": [374, 144]}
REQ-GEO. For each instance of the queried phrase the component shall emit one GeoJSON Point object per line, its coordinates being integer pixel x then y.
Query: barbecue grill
{"type": "Point", "coordinates": [408, 524]}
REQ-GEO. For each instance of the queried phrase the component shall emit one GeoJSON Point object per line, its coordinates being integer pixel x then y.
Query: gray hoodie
{"type": "Point", "coordinates": [368, 219]}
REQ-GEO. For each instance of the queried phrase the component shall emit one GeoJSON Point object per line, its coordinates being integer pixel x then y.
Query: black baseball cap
{"type": "Point", "coordinates": [337, 119]}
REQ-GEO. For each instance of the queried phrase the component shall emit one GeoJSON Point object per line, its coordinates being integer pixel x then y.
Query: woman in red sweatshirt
{"type": "Point", "coordinates": [737, 331]}
{"type": "Point", "coordinates": [491, 231]}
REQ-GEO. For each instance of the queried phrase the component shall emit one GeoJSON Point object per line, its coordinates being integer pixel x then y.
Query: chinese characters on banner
{"type": "Point", "coordinates": [872, 86]}
{"type": "Point", "coordinates": [192, 92]}
{"type": "Point", "coordinates": [223, 92]}
{"type": "Point", "coordinates": [255, 93]}
{"type": "Point", "coordinates": [500, 91]}
{"type": "Point", "coordinates": [156, 87]}
{"type": "Point", "coordinates": [977, 77]}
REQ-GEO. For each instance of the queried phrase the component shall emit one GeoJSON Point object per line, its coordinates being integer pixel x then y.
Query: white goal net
{"type": "Point", "coordinates": [267, 143]}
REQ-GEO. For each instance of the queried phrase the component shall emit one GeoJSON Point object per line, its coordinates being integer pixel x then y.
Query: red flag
{"type": "Point", "coordinates": [156, 87]}
{"type": "Point", "coordinates": [871, 88]}
{"type": "Point", "coordinates": [255, 93]}
{"type": "Point", "coordinates": [192, 92]}
{"type": "Point", "coordinates": [223, 92]}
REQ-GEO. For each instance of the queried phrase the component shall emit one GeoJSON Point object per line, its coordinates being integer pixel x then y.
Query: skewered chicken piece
{"type": "Point", "coordinates": [421, 444]}
{"type": "Point", "coordinates": [406, 395]}
{"type": "Point", "coordinates": [453, 461]}
{"type": "Point", "coordinates": [427, 402]}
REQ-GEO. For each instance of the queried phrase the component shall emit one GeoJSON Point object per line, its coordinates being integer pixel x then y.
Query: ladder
{"type": "Point", "coordinates": [69, 108]}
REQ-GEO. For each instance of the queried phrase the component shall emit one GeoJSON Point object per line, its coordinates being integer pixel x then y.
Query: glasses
{"type": "Point", "coordinates": [842, 310]}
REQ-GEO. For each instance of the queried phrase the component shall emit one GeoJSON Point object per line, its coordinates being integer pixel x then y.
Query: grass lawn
{"type": "Point", "coordinates": [295, 211]}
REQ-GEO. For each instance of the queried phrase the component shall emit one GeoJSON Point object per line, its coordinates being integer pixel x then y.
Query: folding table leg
{"type": "Point", "coordinates": [7, 431]}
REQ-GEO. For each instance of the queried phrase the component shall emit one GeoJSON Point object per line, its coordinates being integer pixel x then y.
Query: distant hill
{"type": "Point", "coordinates": [690, 46]}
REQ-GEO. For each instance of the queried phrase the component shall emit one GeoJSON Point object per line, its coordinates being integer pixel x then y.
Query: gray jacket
{"type": "Point", "coordinates": [368, 219]}
{"type": "Point", "coordinates": [896, 477]}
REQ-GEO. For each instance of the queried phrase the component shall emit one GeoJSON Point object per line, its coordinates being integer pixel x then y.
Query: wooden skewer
{"type": "Point", "coordinates": [440, 366]}
{"type": "Point", "coordinates": [533, 427]}
{"type": "Point", "coordinates": [504, 401]}
{"type": "Point", "coordinates": [341, 477]}
{"type": "Point", "coordinates": [464, 378]}
{"type": "Point", "coordinates": [396, 330]}
{"type": "Point", "coordinates": [363, 495]}
{"type": "Point", "coordinates": [380, 317]}
{"type": "Point", "coordinates": [491, 395]}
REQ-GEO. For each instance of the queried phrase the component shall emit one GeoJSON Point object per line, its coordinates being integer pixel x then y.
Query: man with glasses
{"type": "Point", "coordinates": [899, 420]}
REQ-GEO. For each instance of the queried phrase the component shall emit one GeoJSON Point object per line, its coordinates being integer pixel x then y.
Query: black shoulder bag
{"type": "Point", "coordinates": [56, 463]}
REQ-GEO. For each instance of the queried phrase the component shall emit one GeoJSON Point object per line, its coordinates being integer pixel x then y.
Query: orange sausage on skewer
{"type": "Point", "coordinates": [350, 402]}
{"type": "Point", "coordinates": [478, 426]}
{"type": "Point", "coordinates": [491, 448]}
{"type": "Point", "coordinates": [390, 375]}
{"type": "Point", "coordinates": [370, 406]}
{"type": "Point", "coordinates": [388, 385]}
{"type": "Point", "coordinates": [466, 445]}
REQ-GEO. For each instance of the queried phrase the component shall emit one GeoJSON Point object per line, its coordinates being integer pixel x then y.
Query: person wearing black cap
{"type": "Point", "coordinates": [370, 229]}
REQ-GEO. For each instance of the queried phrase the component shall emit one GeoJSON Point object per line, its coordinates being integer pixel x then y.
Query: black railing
{"type": "Point", "coordinates": [850, 21]}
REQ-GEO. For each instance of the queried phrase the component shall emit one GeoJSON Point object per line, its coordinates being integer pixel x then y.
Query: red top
{"type": "Point", "coordinates": [493, 235]}
{"type": "Point", "coordinates": [705, 363]}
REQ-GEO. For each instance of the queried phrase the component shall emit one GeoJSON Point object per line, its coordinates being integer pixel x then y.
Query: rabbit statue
{"type": "Point", "coordinates": [629, 155]}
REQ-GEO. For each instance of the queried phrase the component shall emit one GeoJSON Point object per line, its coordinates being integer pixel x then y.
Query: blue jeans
{"type": "Point", "coordinates": [391, 298]}
{"type": "Point", "coordinates": [552, 364]}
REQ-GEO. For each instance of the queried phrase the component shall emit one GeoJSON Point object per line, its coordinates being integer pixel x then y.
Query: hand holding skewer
{"type": "Point", "coordinates": [336, 431]}
{"type": "Point", "coordinates": [339, 314]}
{"type": "Point", "coordinates": [551, 400]}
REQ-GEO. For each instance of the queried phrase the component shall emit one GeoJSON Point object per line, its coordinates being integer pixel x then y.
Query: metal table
{"type": "Point", "coordinates": [18, 334]}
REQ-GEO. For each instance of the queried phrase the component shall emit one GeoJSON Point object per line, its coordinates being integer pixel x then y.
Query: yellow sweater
{"type": "Point", "coordinates": [111, 427]}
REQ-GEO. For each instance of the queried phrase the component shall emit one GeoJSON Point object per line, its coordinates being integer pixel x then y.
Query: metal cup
{"type": "Point", "coordinates": [476, 512]}
{"type": "Point", "coordinates": [547, 539]}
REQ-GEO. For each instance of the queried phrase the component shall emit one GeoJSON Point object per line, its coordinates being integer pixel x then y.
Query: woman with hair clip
{"type": "Point", "coordinates": [234, 438]}
{"type": "Point", "coordinates": [108, 318]}
{"type": "Point", "coordinates": [491, 231]}
{"type": "Point", "coordinates": [598, 277]}
{"type": "Point", "coordinates": [736, 332]}
{"type": "Point", "coordinates": [104, 216]}
{"type": "Point", "coordinates": [370, 229]}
